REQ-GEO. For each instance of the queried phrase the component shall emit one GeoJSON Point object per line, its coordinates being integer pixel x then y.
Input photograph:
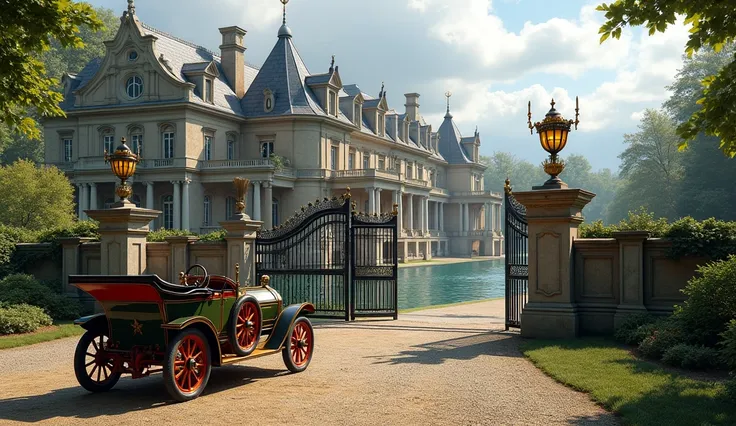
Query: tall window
{"type": "Point", "coordinates": [420, 172]}
{"type": "Point", "coordinates": [333, 103]}
{"type": "Point", "coordinates": [381, 125]}
{"type": "Point", "coordinates": [108, 141]}
{"type": "Point", "coordinates": [266, 149]}
{"type": "Point", "coordinates": [207, 147]}
{"type": "Point", "coordinates": [333, 157]}
{"type": "Point", "coordinates": [229, 207]}
{"type": "Point", "coordinates": [366, 160]}
{"type": "Point", "coordinates": [230, 148]}
{"type": "Point", "coordinates": [168, 141]}
{"type": "Point", "coordinates": [67, 150]}
{"type": "Point", "coordinates": [136, 141]}
{"type": "Point", "coordinates": [209, 96]}
{"type": "Point", "coordinates": [356, 114]}
{"type": "Point", "coordinates": [381, 162]}
{"type": "Point", "coordinates": [207, 211]}
{"type": "Point", "coordinates": [168, 207]}
{"type": "Point", "coordinates": [351, 160]}
{"type": "Point", "coordinates": [134, 87]}
{"type": "Point", "coordinates": [410, 170]}
{"type": "Point", "coordinates": [275, 212]}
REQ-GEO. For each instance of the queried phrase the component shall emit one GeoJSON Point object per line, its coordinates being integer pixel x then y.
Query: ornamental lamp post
{"type": "Point", "coordinates": [123, 163]}
{"type": "Point", "coordinates": [553, 132]}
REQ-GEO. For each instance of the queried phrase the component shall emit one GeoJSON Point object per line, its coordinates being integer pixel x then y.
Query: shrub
{"type": "Point", "coordinates": [728, 345]}
{"type": "Point", "coordinates": [628, 332]}
{"type": "Point", "coordinates": [691, 357]}
{"type": "Point", "coordinates": [711, 301]}
{"type": "Point", "coordinates": [665, 334]}
{"type": "Point", "coordinates": [639, 334]}
{"type": "Point", "coordinates": [710, 238]}
{"type": "Point", "coordinates": [21, 288]}
{"type": "Point", "coordinates": [161, 234]}
{"type": "Point", "coordinates": [9, 237]}
{"type": "Point", "coordinates": [218, 235]}
{"type": "Point", "coordinates": [731, 388]}
{"type": "Point", "coordinates": [22, 318]}
{"type": "Point", "coordinates": [82, 228]}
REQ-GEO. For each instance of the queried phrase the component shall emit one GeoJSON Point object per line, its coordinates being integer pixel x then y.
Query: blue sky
{"type": "Point", "coordinates": [494, 55]}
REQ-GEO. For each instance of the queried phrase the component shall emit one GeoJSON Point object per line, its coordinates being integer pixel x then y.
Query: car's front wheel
{"type": "Point", "coordinates": [299, 346]}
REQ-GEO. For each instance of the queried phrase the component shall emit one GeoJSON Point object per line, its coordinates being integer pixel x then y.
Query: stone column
{"type": "Point", "coordinates": [553, 216]}
{"type": "Point", "coordinates": [123, 233]}
{"type": "Point", "coordinates": [371, 200]}
{"type": "Point", "coordinates": [492, 218]}
{"type": "Point", "coordinates": [425, 200]}
{"type": "Point", "coordinates": [177, 204]}
{"type": "Point", "coordinates": [149, 195]}
{"type": "Point", "coordinates": [93, 196]}
{"type": "Point", "coordinates": [241, 237]}
{"type": "Point", "coordinates": [378, 200]}
{"type": "Point", "coordinates": [399, 200]}
{"type": "Point", "coordinates": [631, 273]}
{"type": "Point", "coordinates": [467, 217]}
{"type": "Point", "coordinates": [411, 212]}
{"type": "Point", "coordinates": [185, 208]}
{"type": "Point", "coordinates": [498, 217]}
{"type": "Point", "coordinates": [256, 200]}
{"type": "Point", "coordinates": [437, 216]}
{"type": "Point", "coordinates": [82, 199]}
{"type": "Point", "coordinates": [442, 217]}
{"type": "Point", "coordinates": [80, 206]}
{"type": "Point", "coordinates": [268, 211]}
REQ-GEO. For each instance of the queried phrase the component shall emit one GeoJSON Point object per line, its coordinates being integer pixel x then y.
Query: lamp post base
{"type": "Point", "coordinates": [551, 183]}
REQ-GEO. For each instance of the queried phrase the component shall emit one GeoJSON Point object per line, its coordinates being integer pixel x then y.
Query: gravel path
{"type": "Point", "coordinates": [441, 366]}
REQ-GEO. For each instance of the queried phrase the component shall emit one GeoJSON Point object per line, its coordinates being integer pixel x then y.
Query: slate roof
{"type": "Point", "coordinates": [449, 144]}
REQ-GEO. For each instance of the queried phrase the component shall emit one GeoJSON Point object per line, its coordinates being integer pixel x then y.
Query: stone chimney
{"type": "Point", "coordinates": [412, 106]}
{"type": "Point", "coordinates": [232, 52]}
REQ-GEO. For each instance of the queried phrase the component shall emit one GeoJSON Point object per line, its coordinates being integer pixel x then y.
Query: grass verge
{"type": "Point", "coordinates": [45, 334]}
{"type": "Point", "coordinates": [422, 308]}
{"type": "Point", "coordinates": [641, 392]}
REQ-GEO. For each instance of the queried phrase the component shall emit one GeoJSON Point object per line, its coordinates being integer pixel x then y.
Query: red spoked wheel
{"type": "Point", "coordinates": [93, 365]}
{"type": "Point", "coordinates": [188, 365]}
{"type": "Point", "coordinates": [245, 327]}
{"type": "Point", "coordinates": [297, 352]}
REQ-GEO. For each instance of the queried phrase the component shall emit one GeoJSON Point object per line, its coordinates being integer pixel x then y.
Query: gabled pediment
{"type": "Point", "coordinates": [201, 68]}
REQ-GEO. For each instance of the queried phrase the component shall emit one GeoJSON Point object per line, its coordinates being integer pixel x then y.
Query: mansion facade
{"type": "Point", "coordinates": [200, 119]}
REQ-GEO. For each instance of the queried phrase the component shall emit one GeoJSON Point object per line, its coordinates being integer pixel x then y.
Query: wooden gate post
{"type": "Point", "coordinates": [553, 217]}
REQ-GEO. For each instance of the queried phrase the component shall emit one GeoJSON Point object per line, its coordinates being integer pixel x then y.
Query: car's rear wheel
{"type": "Point", "coordinates": [188, 365]}
{"type": "Point", "coordinates": [93, 365]}
{"type": "Point", "coordinates": [299, 346]}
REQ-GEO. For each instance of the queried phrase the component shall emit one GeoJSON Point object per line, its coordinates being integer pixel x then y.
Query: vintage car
{"type": "Point", "coordinates": [183, 330]}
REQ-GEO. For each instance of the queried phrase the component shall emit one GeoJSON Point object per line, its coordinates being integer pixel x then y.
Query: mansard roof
{"type": "Point", "coordinates": [450, 142]}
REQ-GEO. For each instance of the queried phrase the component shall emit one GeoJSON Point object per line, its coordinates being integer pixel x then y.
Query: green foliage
{"type": "Point", "coordinates": [22, 318]}
{"type": "Point", "coordinates": [218, 235]}
{"type": "Point", "coordinates": [731, 388]}
{"type": "Point", "coordinates": [728, 345]}
{"type": "Point", "coordinates": [79, 229]}
{"type": "Point", "coordinates": [28, 28]}
{"type": "Point", "coordinates": [21, 288]}
{"type": "Point", "coordinates": [711, 301]}
{"type": "Point", "coordinates": [639, 220]}
{"type": "Point", "coordinates": [35, 197]}
{"type": "Point", "coordinates": [712, 238]}
{"type": "Point", "coordinates": [712, 27]}
{"type": "Point", "coordinates": [691, 357]}
{"type": "Point", "coordinates": [278, 162]}
{"type": "Point", "coordinates": [9, 237]}
{"type": "Point", "coordinates": [666, 333]}
{"type": "Point", "coordinates": [629, 331]}
{"type": "Point", "coordinates": [160, 235]}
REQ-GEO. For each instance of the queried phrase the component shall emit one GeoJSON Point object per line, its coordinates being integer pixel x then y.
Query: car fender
{"type": "Point", "coordinates": [284, 322]}
{"type": "Point", "coordinates": [93, 322]}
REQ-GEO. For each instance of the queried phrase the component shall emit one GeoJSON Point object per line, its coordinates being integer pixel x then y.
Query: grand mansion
{"type": "Point", "coordinates": [201, 119]}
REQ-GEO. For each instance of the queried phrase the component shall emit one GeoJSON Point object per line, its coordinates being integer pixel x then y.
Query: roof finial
{"type": "Point", "coordinates": [332, 64]}
{"type": "Point", "coordinates": [284, 3]}
{"type": "Point", "coordinates": [447, 95]}
{"type": "Point", "coordinates": [131, 7]}
{"type": "Point", "coordinates": [380, 94]}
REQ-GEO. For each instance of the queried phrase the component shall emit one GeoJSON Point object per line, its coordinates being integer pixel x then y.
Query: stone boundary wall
{"type": "Point", "coordinates": [630, 273]}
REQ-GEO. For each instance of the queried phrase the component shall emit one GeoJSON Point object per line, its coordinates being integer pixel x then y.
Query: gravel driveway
{"type": "Point", "coordinates": [443, 366]}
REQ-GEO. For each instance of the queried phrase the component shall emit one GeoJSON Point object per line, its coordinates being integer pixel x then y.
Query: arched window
{"type": "Point", "coordinates": [229, 208]}
{"type": "Point", "coordinates": [207, 211]}
{"type": "Point", "coordinates": [136, 140]}
{"type": "Point", "coordinates": [168, 208]}
{"type": "Point", "coordinates": [275, 212]}
{"type": "Point", "coordinates": [167, 141]}
{"type": "Point", "coordinates": [134, 87]}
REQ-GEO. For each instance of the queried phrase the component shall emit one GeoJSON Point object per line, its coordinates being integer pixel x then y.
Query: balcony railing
{"type": "Point", "coordinates": [440, 191]}
{"type": "Point", "coordinates": [235, 164]}
{"type": "Point", "coordinates": [417, 182]}
{"type": "Point", "coordinates": [476, 194]}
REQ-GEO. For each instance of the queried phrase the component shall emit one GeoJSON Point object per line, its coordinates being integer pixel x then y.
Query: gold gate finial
{"type": "Point", "coordinates": [507, 186]}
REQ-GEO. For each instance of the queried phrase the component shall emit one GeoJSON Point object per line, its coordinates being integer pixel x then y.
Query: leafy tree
{"type": "Point", "coordinates": [650, 167]}
{"type": "Point", "coordinates": [579, 174]}
{"type": "Point", "coordinates": [27, 28]}
{"type": "Point", "coordinates": [35, 197]}
{"type": "Point", "coordinates": [522, 174]}
{"type": "Point", "coordinates": [713, 25]}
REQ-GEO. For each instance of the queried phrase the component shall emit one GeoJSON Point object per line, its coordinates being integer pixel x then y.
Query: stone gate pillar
{"type": "Point", "coordinates": [553, 217]}
{"type": "Point", "coordinates": [123, 232]}
{"type": "Point", "coordinates": [241, 240]}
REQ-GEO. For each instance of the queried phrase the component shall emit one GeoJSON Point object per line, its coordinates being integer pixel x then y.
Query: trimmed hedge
{"type": "Point", "coordinates": [25, 289]}
{"type": "Point", "coordinates": [22, 318]}
{"type": "Point", "coordinates": [691, 357]}
{"type": "Point", "coordinates": [664, 334]}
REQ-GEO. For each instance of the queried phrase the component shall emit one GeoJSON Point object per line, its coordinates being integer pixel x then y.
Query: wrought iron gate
{"type": "Point", "coordinates": [517, 263]}
{"type": "Point", "coordinates": [342, 262]}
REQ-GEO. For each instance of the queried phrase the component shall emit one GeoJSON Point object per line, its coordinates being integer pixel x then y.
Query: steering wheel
{"type": "Point", "coordinates": [197, 283]}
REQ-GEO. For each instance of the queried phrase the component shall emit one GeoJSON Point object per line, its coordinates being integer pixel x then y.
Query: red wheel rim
{"type": "Point", "coordinates": [190, 365]}
{"type": "Point", "coordinates": [246, 328]}
{"type": "Point", "coordinates": [97, 362]}
{"type": "Point", "coordinates": [301, 344]}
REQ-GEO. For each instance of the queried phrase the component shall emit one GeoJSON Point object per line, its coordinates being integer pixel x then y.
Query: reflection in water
{"type": "Point", "coordinates": [458, 282]}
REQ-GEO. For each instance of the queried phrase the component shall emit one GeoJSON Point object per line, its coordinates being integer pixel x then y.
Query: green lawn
{"type": "Point", "coordinates": [642, 393]}
{"type": "Point", "coordinates": [44, 335]}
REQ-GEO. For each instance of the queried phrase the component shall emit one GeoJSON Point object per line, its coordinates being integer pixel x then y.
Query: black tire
{"type": "Point", "coordinates": [298, 363]}
{"type": "Point", "coordinates": [93, 374]}
{"type": "Point", "coordinates": [236, 326]}
{"type": "Point", "coordinates": [174, 365]}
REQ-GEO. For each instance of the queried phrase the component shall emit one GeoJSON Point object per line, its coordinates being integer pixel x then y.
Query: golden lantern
{"type": "Point", "coordinates": [553, 132]}
{"type": "Point", "coordinates": [123, 162]}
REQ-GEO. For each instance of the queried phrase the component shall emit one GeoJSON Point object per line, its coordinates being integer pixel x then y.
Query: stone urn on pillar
{"type": "Point", "coordinates": [553, 213]}
{"type": "Point", "coordinates": [124, 227]}
{"type": "Point", "coordinates": [241, 238]}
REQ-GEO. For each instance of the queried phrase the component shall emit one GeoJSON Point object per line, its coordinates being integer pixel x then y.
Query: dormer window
{"type": "Point", "coordinates": [332, 108]}
{"type": "Point", "coordinates": [268, 100]}
{"type": "Point", "coordinates": [208, 94]}
{"type": "Point", "coordinates": [381, 124]}
{"type": "Point", "coordinates": [357, 114]}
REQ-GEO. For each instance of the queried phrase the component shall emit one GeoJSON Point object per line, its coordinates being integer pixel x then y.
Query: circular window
{"type": "Point", "coordinates": [132, 55]}
{"type": "Point", "coordinates": [134, 87]}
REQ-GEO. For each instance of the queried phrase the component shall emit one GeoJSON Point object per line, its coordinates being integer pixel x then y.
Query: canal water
{"type": "Point", "coordinates": [458, 282]}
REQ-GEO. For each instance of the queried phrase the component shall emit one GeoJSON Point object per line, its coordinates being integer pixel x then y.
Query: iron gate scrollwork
{"type": "Point", "coordinates": [342, 262]}
{"type": "Point", "coordinates": [517, 260]}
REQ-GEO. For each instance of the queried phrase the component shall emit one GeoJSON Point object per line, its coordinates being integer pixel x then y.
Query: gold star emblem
{"type": "Point", "coordinates": [137, 327]}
